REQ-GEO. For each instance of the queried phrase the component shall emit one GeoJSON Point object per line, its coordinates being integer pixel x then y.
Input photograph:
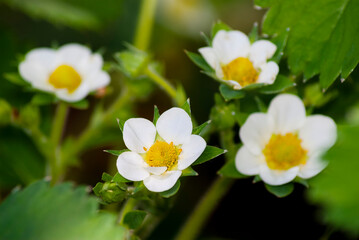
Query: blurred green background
{"type": "Point", "coordinates": [248, 211]}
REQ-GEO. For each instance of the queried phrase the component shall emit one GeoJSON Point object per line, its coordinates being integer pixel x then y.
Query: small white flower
{"type": "Point", "coordinates": [283, 143]}
{"type": "Point", "coordinates": [158, 154]}
{"type": "Point", "coordinates": [238, 62]}
{"type": "Point", "coordinates": [71, 72]}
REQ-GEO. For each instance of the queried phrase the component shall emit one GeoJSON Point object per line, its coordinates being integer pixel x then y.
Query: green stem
{"type": "Point", "coordinates": [55, 138]}
{"type": "Point", "coordinates": [204, 208]}
{"type": "Point", "coordinates": [144, 24]}
{"type": "Point", "coordinates": [127, 207]}
{"type": "Point", "coordinates": [58, 123]}
{"type": "Point", "coordinates": [161, 81]}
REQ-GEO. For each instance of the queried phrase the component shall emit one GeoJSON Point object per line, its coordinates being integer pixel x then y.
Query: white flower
{"type": "Point", "coordinates": [71, 72]}
{"type": "Point", "coordinates": [238, 62]}
{"type": "Point", "coordinates": [158, 154]}
{"type": "Point", "coordinates": [283, 143]}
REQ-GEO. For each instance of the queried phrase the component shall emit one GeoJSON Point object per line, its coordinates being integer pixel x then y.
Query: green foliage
{"type": "Point", "coordinates": [189, 172]}
{"type": "Point", "coordinates": [187, 107]}
{"type": "Point", "coordinates": [134, 218]}
{"type": "Point", "coordinates": [43, 99]}
{"type": "Point", "coordinates": [156, 115]}
{"type": "Point", "coordinates": [323, 35]}
{"type": "Point", "coordinates": [336, 188]}
{"type": "Point", "coordinates": [209, 153]}
{"type": "Point", "coordinates": [61, 212]}
{"type": "Point", "coordinates": [113, 190]}
{"type": "Point", "coordinates": [281, 190]}
{"type": "Point", "coordinates": [223, 115]}
{"type": "Point", "coordinates": [229, 170]}
{"type": "Point", "coordinates": [197, 130]}
{"type": "Point", "coordinates": [281, 83]}
{"type": "Point", "coordinates": [199, 61]}
{"type": "Point", "coordinates": [20, 161]}
{"type": "Point", "coordinates": [171, 192]}
{"type": "Point", "coordinates": [76, 14]}
{"type": "Point", "coordinates": [132, 61]}
{"type": "Point", "coordinates": [5, 112]}
{"type": "Point", "coordinates": [116, 152]}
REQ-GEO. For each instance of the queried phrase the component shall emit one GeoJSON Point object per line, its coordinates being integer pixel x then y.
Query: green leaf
{"type": "Point", "coordinates": [219, 25]}
{"type": "Point", "coordinates": [253, 35]}
{"type": "Point", "coordinates": [281, 83]}
{"type": "Point", "coordinates": [82, 104]}
{"type": "Point", "coordinates": [20, 160]}
{"type": "Point", "coordinates": [199, 61]}
{"type": "Point", "coordinates": [98, 188]}
{"type": "Point", "coordinates": [171, 192]}
{"type": "Point", "coordinates": [229, 93]}
{"type": "Point", "coordinates": [189, 172]}
{"type": "Point", "coordinates": [134, 218]}
{"type": "Point", "coordinates": [121, 123]}
{"type": "Point", "coordinates": [280, 41]}
{"type": "Point", "coordinates": [229, 170]}
{"type": "Point", "coordinates": [16, 79]}
{"type": "Point", "coordinates": [336, 188]}
{"type": "Point", "coordinates": [106, 177]}
{"type": "Point", "coordinates": [41, 212]}
{"type": "Point", "coordinates": [119, 179]}
{"type": "Point", "coordinates": [187, 107]}
{"type": "Point", "coordinates": [132, 61]}
{"type": "Point", "coordinates": [328, 47]}
{"type": "Point", "coordinates": [116, 152]}
{"type": "Point", "coordinates": [280, 191]}
{"type": "Point", "coordinates": [43, 99]}
{"type": "Point", "coordinates": [156, 115]}
{"type": "Point", "coordinates": [256, 179]}
{"type": "Point", "coordinates": [209, 153]}
{"type": "Point", "coordinates": [197, 130]}
{"type": "Point", "coordinates": [181, 97]}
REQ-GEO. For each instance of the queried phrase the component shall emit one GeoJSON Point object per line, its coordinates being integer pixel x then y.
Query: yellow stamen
{"type": "Point", "coordinates": [284, 151]}
{"type": "Point", "coordinates": [240, 70]}
{"type": "Point", "coordinates": [65, 77]}
{"type": "Point", "coordinates": [162, 154]}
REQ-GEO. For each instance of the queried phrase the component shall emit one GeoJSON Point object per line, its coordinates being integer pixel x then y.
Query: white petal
{"type": "Point", "coordinates": [131, 166]}
{"type": "Point", "coordinates": [318, 133]}
{"type": "Point", "coordinates": [256, 132]}
{"type": "Point", "coordinates": [288, 113]}
{"type": "Point", "coordinates": [246, 162]}
{"type": "Point", "coordinates": [81, 92]}
{"type": "Point", "coordinates": [229, 45]}
{"type": "Point", "coordinates": [174, 125]}
{"type": "Point", "coordinates": [98, 80]}
{"type": "Point", "coordinates": [277, 177]}
{"type": "Point", "coordinates": [234, 84]}
{"type": "Point", "coordinates": [191, 150]}
{"type": "Point", "coordinates": [261, 50]}
{"type": "Point", "coordinates": [162, 182]}
{"type": "Point", "coordinates": [36, 74]}
{"type": "Point", "coordinates": [209, 55]}
{"type": "Point", "coordinates": [156, 170]}
{"type": "Point", "coordinates": [43, 56]}
{"type": "Point", "coordinates": [269, 72]}
{"type": "Point", "coordinates": [75, 55]}
{"type": "Point", "coordinates": [139, 133]}
{"type": "Point", "coordinates": [312, 167]}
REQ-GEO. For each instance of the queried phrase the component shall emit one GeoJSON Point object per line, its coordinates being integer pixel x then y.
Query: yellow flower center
{"type": "Point", "coordinates": [65, 77]}
{"type": "Point", "coordinates": [240, 70]}
{"type": "Point", "coordinates": [162, 154]}
{"type": "Point", "coordinates": [284, 151]}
